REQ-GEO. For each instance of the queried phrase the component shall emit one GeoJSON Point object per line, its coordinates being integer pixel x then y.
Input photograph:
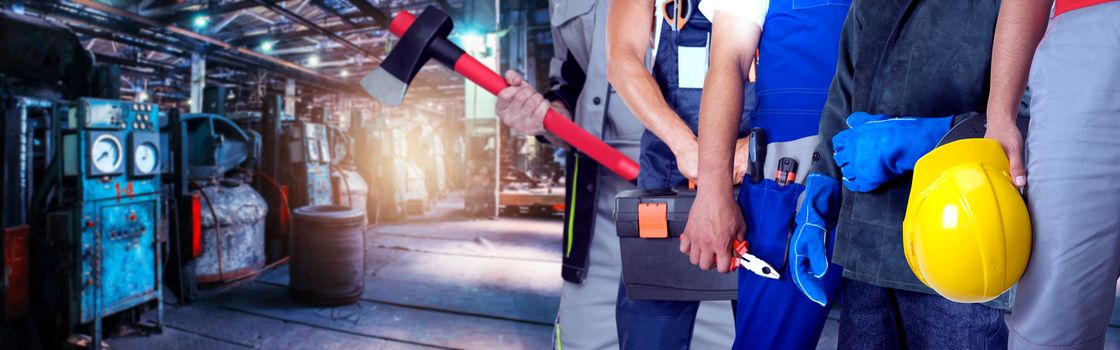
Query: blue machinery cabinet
{"type": "Point", "coordinates": [314, 151]}
{"type": "Point", "coordinates": [110, 170]}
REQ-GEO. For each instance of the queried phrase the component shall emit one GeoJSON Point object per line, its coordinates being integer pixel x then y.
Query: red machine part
{"type": "Point", "coordinates": [17, 261]}
{"type": "Point", "coordinates": [196, 225]}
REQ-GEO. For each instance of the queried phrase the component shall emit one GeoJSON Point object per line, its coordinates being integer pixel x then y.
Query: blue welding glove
{"type": "Point", "coordinates": [807, 252]}
{"type": "Point", "coordinates": [878, 147]}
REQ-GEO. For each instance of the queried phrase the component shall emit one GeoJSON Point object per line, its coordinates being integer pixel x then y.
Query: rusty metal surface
{"type": "Point", "coordinates": [116, 218]}
{"type": "Point", "coordinates": [240, 249]}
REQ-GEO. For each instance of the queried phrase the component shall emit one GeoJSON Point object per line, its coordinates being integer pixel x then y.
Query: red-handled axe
{"type": "Point", "coordinates": [424, 37]}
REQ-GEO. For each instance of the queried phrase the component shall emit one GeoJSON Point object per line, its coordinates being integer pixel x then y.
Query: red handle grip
{"type": "Point", "coordinates": [562, 127]}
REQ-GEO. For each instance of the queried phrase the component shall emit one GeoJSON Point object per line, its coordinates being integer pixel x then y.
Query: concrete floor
{"type": "Point", "coordinates": [437, 281]}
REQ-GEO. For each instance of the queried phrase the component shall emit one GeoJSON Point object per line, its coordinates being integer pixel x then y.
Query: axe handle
{"type": "Point", "coordinates": [562, 127]}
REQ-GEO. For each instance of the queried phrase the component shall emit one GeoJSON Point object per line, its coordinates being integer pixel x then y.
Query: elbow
{"type": "Point", "coordinates": [618, 68]}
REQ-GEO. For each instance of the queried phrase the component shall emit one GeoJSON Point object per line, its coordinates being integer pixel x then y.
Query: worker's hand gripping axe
{"type": "Point", "coordinates": [424, 37]}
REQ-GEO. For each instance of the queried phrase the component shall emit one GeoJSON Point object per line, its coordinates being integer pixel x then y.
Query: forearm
{"type": "Point", "coordinates": [720, 108]}
{"type": "Point", "coordinates": [643, 96]}
{"type": "Point", "coordinates": [1019, 29]}
{"type": "Point", "coordinates": [626, 71]}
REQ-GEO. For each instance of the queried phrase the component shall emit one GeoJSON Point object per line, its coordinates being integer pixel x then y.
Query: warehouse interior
{"type": "Point", "coordinates": [166, 160]}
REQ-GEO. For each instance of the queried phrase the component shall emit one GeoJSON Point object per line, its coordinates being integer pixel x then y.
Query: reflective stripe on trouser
{"type": "Point", "coordinates": [1065, 298]}
{"type": "Point", "coordinates": [585, 320]}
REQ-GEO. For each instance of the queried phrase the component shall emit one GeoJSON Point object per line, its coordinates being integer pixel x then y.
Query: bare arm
{"type": "Point", "coordinates": [732, 53]}
{"type": "Point", "coordinates": [627, 43]}
{"type": "Point", "coordinates": [715, 219]}
{"type": "Point", "coordinates": [1019, 29]}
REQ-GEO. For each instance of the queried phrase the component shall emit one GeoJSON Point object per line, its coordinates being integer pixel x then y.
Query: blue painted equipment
{"type": "Point", "coordinates": [106, 249]}
{"type": "Point", "coordinates": [309, 147]}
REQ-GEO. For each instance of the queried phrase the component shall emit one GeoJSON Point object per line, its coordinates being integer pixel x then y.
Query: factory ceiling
{"type": "Point", "coordinates": [325, 45]}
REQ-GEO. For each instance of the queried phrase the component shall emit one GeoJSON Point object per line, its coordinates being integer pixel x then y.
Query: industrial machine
{"type": "Point", "coordinates": [100, 251]}
{"type": "Point", "coordinates": [232, 213]}
{"type": "Point", "coordinates": [350, 188]}
{"type": "Point", "coordinates": [310, 152]}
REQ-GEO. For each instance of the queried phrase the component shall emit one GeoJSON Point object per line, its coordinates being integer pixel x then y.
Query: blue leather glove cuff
{"type": "Point", "coordinates": [878, 147]}
{"type": "Point", "coordinates": [808, 253]}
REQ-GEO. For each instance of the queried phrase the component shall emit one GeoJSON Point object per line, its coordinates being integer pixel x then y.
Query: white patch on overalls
{"type": "Point", "coordinates": [692, 65]}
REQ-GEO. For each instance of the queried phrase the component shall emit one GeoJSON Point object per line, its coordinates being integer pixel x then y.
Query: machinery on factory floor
{"type": "Point", "coordinates": [99, 248]}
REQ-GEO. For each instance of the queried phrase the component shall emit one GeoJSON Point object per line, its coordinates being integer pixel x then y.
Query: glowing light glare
{"type": "Point", "coordinates": [473, 42]}
{"type": "Point", "coordinates": [200, 21]}
{"type": "Point", "coordinates": [266, 46]}
{"type": "Point", "coordinates": [344, 73]}
{"type": "Point", "coordinates": [313, 60]}
{"type": "Point", "coordinates": [950, 217]}
{"type": "Point", "coordinates": [142, 96]}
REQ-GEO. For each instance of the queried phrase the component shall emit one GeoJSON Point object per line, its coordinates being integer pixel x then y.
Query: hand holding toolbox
{"type": "Point", "coordinates": [649, 224]}
{"type": "Point", "coordinates": [653, 267]}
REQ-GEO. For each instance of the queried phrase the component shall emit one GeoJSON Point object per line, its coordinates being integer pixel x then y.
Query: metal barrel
{"type": "Point", "coordinates": [327, 263]}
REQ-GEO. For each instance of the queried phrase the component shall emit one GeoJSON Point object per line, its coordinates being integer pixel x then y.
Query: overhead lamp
{"type": "Point", "coordinates": [344, 73]}
{"type": "Point", "coordinates": [142, 96]}
{"type": "Point", "coordinates": [200, 21]}
{"type": "Point", "coordinates": [313, 60]}
{"type": "Point", "coordinates": [266, 46]}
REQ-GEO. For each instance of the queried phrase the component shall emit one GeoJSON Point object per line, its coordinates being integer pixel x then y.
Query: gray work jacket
{"type": "Point", "coordinates": [578, 77]}
{"type": "Point", "coordinates": [925, 58]}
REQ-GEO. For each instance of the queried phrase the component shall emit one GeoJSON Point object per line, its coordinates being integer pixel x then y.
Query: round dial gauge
{"type": "Point", "coordinates": [106, 153]}
{"type": "Point", "coordinates": [146, 158]}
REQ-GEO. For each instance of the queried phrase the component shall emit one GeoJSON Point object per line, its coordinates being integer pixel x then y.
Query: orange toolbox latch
{"type": "Point", "coordinates": [653, 220]}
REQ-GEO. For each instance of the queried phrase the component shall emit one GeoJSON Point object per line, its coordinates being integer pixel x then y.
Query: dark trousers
{"type": "Point", "coordinates": [873, 317]}
{"type": "Point", "coordinates": [655, 324]}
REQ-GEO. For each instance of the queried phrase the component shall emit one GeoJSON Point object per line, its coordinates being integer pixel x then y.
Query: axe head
{"type": "Point", "coordinates": [390, 80]}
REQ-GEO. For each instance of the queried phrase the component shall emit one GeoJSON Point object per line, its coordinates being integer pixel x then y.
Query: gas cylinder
{"type": "Point", "coordinates": [236, 248]}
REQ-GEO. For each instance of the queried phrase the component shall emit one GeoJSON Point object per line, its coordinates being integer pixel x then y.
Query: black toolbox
{"type": "Point", "coordinates": [653, 267]}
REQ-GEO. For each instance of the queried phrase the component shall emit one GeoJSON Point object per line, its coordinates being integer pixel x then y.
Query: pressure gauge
{"type": "Point", "coordinates": [145, 153]}
{"type": "Point", "coordinates": [146, 157]}
{"type": "Point", "coordinates": [105, 154]}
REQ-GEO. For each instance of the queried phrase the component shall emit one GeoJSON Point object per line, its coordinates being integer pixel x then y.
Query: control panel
{"type": "Point", "coordinates": [112, 151]}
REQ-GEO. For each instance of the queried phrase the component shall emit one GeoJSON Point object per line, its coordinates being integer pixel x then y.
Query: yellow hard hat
{"type": "Point", "coordinates": [967, 233]}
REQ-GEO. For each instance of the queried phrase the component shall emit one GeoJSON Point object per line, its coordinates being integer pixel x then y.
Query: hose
{"type": "Point", "coordinates": [345, 182]}
{"type": "Point", "coordinates": [279, 189]}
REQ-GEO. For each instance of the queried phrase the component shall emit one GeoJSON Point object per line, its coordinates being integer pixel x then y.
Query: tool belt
{"type": "Point", "coordinates": [649, 225]}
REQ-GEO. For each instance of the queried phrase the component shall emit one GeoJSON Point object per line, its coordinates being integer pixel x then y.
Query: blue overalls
{"type": "Point", "coordinates": [797, 60]}
{"type": "Point", "coordinates": [679, 67]}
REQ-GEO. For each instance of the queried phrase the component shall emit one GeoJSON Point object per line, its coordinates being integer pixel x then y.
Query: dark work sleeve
{"type": "Point", "coordinates": [566, 79]}
{"type": "Point", "coordinates": [839, 105]}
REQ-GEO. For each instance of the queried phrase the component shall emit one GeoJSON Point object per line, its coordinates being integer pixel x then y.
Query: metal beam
{"type": "Point", "coordinates": [368, 9]}
{"type": "Point", "coordinates": [198, 81]}
{"type": "Point", "coordinates": [209, 11]}
{"type": "Point", "coordinates": [321, 5]}
{"type": "Point", "coordinates": [311, 25]}
{"type": "Point", "coordinates": [244, 52]}
{"type": "Point", "coordinates": [297, 34]}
